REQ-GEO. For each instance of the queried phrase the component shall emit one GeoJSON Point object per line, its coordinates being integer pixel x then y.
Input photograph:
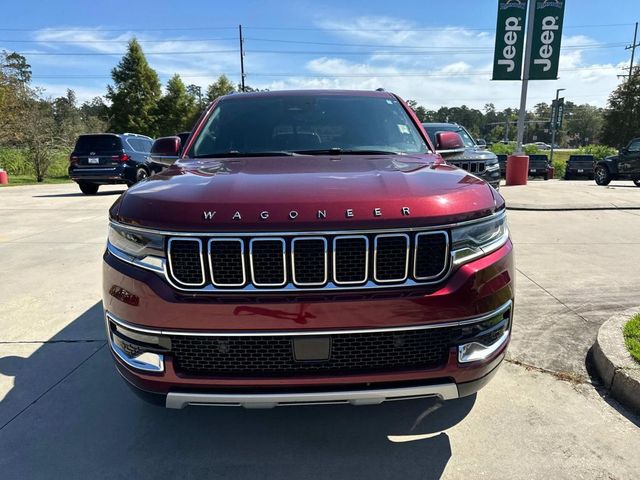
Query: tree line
{"type": "Point", "coordinates": [40, 126]}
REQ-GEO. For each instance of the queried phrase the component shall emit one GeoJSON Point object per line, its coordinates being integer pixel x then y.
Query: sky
{"type": "Point", "coordinates": [437, 53]}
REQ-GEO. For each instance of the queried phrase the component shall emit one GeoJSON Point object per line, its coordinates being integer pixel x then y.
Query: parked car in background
{"type": "Point", "coordinates": [579, 166]}
{"type": "Point", "coordinates": [307, 247]}
{"type": "Point", "coordinates": [623, 166]}
{"type": "Point", "coordinates": [110, 158]}
{"type": "Point", "coordinates": [470, 157]}
{"type": "Point", "coordinates": [541, 145]}
{"type": "Point", "coordinates": [539, 165]}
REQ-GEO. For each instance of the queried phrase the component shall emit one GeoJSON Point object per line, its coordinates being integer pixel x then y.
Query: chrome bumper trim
{"type": "Point", "coordinates": [297, 333]}
{"type": "Point", "coordinates": [178, 400]}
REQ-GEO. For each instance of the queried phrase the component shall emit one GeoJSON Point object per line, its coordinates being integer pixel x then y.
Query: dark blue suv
{"type": "Point", "coordinates": [108, 158]}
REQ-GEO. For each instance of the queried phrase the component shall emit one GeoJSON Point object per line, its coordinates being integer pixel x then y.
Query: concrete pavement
{"type": "Point", "coordinates": [64, 412]}
{"type": "Point", "coordinates": [571, 195]}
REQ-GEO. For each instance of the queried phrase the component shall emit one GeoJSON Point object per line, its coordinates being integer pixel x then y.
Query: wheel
{"type": "Point", "coordinates": [88, 188]}
{"type": "Point", "coordinates": [546, 176]}
{"type": "Point", "coordinates": [567, 176]}
{"type": "Point", "coordinates": [141, 174]}
{"type": "Point", "coordinates": [602, 175]}
{"type": "Point", "coordinates": [637, 182]}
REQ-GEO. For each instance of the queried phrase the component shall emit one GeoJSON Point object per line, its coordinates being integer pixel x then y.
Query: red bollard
{"type": "Point", "coordinates": [4, 178]}
{"type": "Point", "coordinates": [517, 169]}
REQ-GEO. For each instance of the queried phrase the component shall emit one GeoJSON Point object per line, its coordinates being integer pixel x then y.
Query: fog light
{"type": "Point", "coordinates": [139, 350]}
{"type": "Point", "coordinates": [474, 351]}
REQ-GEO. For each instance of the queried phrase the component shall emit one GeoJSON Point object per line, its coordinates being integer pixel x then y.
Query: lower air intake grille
{"type": "Point", "coordinates": [261, 356]}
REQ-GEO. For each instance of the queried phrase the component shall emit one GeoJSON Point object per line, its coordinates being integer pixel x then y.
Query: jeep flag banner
{"type": "Point", "coordinates": [507, 57]}
{"type": "Point", "coordinates": [547, 33]}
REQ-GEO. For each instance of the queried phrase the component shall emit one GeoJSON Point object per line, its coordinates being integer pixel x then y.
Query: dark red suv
{"type": "Point", "coordinates": [307, 247]}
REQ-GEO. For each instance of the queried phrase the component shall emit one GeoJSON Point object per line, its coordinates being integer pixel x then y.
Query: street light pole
{"type": "Point", "coordinates": [553, 126]}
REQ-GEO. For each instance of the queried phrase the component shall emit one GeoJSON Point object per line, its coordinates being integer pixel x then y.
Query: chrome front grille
{"type": "Point", "coordinates": [471, 167]}
{"type": "Point", "coordinates": [303, 262]}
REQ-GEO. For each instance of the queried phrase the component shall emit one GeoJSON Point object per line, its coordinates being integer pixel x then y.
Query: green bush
{"type": "Point", "coordinates": [509, 148]}
{"type": "Point", "coordinates": [598, 151]}
{"type": "Point", "coordinates": [559, 167]}
{"type": "Point", "coordinates": [14, 161]}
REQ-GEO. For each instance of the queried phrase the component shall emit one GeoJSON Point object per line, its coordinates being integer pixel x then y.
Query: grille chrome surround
{"type": "Point", "coordinates": [415, 257]}
{"type": "Point", "coordinates": [406, 259]}
{"type": "Point", "coordinates": [252, 262]}
{"type": "Point", "coordinates": [293, 261]}
{"type": "Point", "coordinates": [170, 262]}
{"type": "Point", "coordinates": [213, 241]}
{"type": "Point", "coordinates": [366, 262]}
{"type": "Point", "coordinates": [353, 264]}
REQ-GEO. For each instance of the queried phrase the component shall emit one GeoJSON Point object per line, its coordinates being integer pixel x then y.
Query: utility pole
{"type": "Point", "coordinates": [522, 113]}
{"type": "Point", "coordinates": [241, 59]}
{"type": "Point", "coordinates": [553, 125]}
{"type": "Point", "coordinates": [632, 47]}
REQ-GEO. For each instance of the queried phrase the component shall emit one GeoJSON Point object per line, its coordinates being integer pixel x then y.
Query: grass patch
{"type": "Point", "coordinates": [17, 180]}
{"type": "Point", "coordinates": [631, 334]}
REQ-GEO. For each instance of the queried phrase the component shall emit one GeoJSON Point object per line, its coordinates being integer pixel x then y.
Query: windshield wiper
{"type": "Point", "coordinates": [340, 151]}
{"type": "Point", "coordinates": [235, 154]}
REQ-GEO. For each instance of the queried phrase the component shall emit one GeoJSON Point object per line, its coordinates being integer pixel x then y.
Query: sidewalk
{"type": "Point", "coordinates": [571, 195]}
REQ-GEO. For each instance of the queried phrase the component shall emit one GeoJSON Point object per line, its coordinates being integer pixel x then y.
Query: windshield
{"type": "Point", "coordinates": [433, 129]}
{"type": "Point", "coordinates": [308, 124]}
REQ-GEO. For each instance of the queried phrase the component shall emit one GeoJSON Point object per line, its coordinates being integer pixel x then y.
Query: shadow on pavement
{"type": "Point", "coordinates": [80, 194]}
{"type": "Point", "coordinates": [88, 424]}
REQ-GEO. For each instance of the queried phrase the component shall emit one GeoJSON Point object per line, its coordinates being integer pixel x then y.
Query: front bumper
{"type": "Point", "coordinates": [142, 301]}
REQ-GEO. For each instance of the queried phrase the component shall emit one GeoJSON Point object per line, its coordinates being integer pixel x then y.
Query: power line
{"type": "Point", "coordinates": [459, 51]}
{"type": "Point", "coordinates": [210, 28]}
{"type": "Point", "coordinates": [320, 75]}
{"type": "Point", "coordinates": [186, 40]}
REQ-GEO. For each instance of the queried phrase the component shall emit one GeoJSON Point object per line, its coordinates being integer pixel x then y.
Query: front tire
{"type": "Point", "coordinates": [88, 188]}
{"type": "Point", "coordinates": [602, 175]}
{"type": "Point", "coordinates": [141, 174]}
{"type": "Point", "coordinates": [637, 182]}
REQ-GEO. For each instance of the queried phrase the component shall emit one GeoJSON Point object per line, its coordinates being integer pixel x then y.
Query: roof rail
{"type": "Point", "coordinates": [380, 89]}
{"type": "Point", "coordinates": [135, 134]}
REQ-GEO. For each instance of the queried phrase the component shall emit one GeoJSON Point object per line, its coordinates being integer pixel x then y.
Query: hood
{"type": "Point", "coordinates": [470, 154]}
{"type": "Point", "coordinates": [305, 193]}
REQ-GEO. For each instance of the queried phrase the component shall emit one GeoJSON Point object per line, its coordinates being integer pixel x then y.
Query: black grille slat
{"type": "Point", "coordinates": [391, 258]}
{"type": "Point", "coordinates": [350, 258]}
{"type": "Point", "coordinates": [309, 261]}
{"type": "Point", "coordinates": [227, 262]}
{"type": "Point", "coordinates": [350, 353]}
{"type": "Point", "coordinates": [430, 254]}
{"type": "Point", "coordinates": [186, 261]}
{"type": "Point", "coordinates": [267, 261]}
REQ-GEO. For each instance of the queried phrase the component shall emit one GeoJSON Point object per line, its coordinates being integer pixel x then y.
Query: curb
{"type": "Point", "coordinates": [552, 208]}
{"type": "Point", "coordinates": [619, 372]}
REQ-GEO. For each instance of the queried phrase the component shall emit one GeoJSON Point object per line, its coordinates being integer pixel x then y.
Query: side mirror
{"type": "Point", "coordinates": [165, 151]}
{"type": "Point", "coordinates": [624, 151]}
{"type": "Point", "coordinates": [448, 141]}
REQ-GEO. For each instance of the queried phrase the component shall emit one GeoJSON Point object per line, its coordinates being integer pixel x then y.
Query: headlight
{"type": "Point", "coordinates": [478, 239]}
{"type": "Point", "coordinates": [141, 248]}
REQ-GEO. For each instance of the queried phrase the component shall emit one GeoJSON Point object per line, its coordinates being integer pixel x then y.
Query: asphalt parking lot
{"type": "Point", "coordinates": [65, 413]}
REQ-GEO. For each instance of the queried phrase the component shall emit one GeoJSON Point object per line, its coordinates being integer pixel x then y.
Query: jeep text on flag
{"type": "Point", "coordinates": [507, 57]}
{"type": "Point", "coordinates": [547, 33]}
